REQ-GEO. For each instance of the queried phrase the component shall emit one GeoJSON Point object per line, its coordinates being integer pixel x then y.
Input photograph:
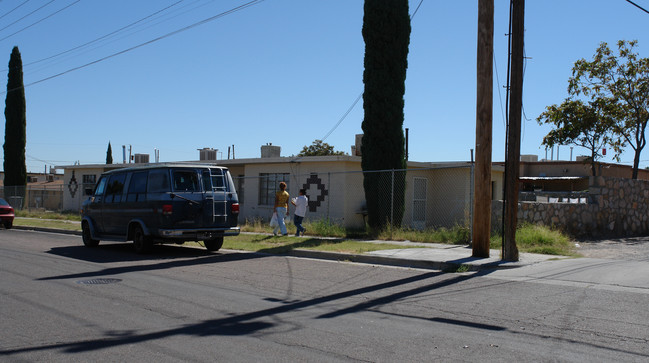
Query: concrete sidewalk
{"type": "Point", "coordinates": [431, 256]}
{"type": "Point", "coordinates": [435, 256]}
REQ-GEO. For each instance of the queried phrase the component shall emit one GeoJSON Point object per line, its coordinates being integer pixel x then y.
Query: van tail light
{"type": "Point", "coordinates": [167, 209]}
{"type": "Point", "coordinates": [235, 208]}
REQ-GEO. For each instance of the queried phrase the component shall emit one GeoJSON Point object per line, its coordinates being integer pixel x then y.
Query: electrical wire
{"type": "Point", "coordinates": [158, 15]}
{"type": "Point", "coordinates": [361, 95]}
{"type": "Point", "coordinates": [14, 9]}
{"type": "Point", "coordinates": [46, 161]}
{"type": "Point", "coordinates": [38, 21]}
{"type": "Point", "coordinates": [500, 97]}
{"type": "Point", "coordinates": [104, 36]}
{"type": "Point", "coordinates": [638, 6]}
{"type": "Point", "coordinates": [343, 117]}
{"type": "Point", "coordinates": [204, 21]}
{"type": "Point", "coordinates": [416, 10]}
{"type": "Point", "coordinates": [26, 16]}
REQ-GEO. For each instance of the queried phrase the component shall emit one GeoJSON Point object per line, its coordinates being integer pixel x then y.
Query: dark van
{"type": "Point", "coordinates": [162, 204]}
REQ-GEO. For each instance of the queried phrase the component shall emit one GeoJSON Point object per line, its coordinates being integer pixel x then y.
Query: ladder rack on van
{"type": "Point", "coordinates": [217, 184]}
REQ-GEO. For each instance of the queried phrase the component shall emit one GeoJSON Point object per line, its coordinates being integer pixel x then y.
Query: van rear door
{"type": "Point", "coordinates": [187, 198]}
{"type": "Point", "coordinates": [216, 208]}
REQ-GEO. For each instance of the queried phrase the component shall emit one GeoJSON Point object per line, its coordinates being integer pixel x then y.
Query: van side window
{"type": "Point", "coordinates": [100, 187]}
{"type": "Point", "coordinates": [115, 188]}
{"type": "Point", "coordinates": [137, 187]}
{"type": "Point", "coordinates": [159, 181]}
{"type": "Point", "coordinates": [185, 181]}
{"type": "Point", "coordinates": [207, 181]}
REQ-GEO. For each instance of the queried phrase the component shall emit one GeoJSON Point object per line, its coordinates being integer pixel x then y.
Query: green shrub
{"type": "Point", "coordinates": [539, 239]}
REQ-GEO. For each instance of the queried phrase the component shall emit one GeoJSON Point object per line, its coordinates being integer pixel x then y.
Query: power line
{"type": "Point", "coordinates": [638, 6]}
{"type": "Point", "coordinates": [38, 21]}
{"type": "Point", "coordinates": [46, 161]}
{"type": "Point", "coordinates": [204, 21]}
{"type": "Point", "coordinates": [502, 111]}
{"type": "Point", "coordinates": [361, 95]}
{"type": "Point", "coordinates": [105, 36]}
{"type": "Point", "coordinates": [416, 10]}
{"type": "Point", "coordinates": [160, 14]}
{"type": "Point", "coordinates": [14, 9]}
{"type": "Point", "coordinates": [343, 117]}
{"type": "Point", "coordinates": [26, 16]}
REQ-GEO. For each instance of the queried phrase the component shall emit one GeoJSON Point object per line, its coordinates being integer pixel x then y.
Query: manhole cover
{"type": "Point", "coordinates": [98, 281]}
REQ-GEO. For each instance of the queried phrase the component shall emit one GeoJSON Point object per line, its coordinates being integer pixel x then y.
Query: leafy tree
{"type": "Point", "coordinates": [386, 31]}
{"type": "Point", "coordinates": [319, 148]}
{"type": "Point", "coordinates": [621, 80]}
{"type": "Point", "coordinates": [580, 124]}
{"type": "Point", "coordinates": [109, 154]}
{"type": "Point", "coordinates": [15, 124]}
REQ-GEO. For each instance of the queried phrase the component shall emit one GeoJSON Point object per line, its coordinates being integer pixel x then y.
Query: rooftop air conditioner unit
{"type": "Point", "coordinates": [207, 154]}
{"type": "Point", "coordinates": [141, 158]}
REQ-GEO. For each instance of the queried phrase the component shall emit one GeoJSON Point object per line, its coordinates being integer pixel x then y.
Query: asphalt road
{"type": "Point", "coordinates": [60, 301]}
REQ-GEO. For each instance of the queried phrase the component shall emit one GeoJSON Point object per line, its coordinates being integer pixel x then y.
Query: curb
{"type": "Point", "coordinates": [44, 229]}
{"type": "Point", "coordinates": [446, 266]}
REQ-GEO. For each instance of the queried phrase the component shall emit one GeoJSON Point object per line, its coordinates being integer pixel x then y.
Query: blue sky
{"type": "Point", "coordinates": [281, 72]}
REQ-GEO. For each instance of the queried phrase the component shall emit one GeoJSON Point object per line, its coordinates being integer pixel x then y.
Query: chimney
{"type": "Point", "coordinates": [356, 149]}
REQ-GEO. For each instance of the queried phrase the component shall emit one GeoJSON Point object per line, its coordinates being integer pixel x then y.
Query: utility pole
{"type": "Point", "coordinates": [483, 139]}
{"type": "Point", "coordinates": [510, 251]}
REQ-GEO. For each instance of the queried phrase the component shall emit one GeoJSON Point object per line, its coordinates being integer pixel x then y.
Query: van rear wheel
{"type": "Point", "coordinates": [86, 236]}
{"type": "Point", "coordinates": [141, 242]}
{"type": "Point", "coordinates": [214, 244]}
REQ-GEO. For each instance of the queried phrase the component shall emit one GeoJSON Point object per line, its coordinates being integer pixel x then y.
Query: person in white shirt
{"type": "Point", "coordinates": [300, 203]}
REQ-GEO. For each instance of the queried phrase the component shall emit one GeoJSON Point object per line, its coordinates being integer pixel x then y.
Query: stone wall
{"type": "Point", "coordinates": [618, 208]}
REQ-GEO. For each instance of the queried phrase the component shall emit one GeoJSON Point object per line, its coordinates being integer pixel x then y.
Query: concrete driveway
{"type": "Point", "coordinates": [630, 249]}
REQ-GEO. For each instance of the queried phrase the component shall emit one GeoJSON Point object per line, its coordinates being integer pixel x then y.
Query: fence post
{"type": "Point", "coordinates": [471, 194]}
{"type": "Point", "coordinates": [392, 205]}
{"type": "Point", "coordinates": [328, 196]}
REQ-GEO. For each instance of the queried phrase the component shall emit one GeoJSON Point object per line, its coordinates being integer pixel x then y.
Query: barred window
{"type": "Point", "coordinates": [89, 179]}
{"type": "Point", "coordinates": [268, 185]}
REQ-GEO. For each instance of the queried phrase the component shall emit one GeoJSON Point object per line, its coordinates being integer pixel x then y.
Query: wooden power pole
{"type": "Point", "coordinates": [512, 164]}
{"type": "Point", "coordinates": [483, 138]}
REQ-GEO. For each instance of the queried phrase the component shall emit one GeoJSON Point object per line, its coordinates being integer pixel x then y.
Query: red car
{"type": "Point", "coordinates": [6, 214]}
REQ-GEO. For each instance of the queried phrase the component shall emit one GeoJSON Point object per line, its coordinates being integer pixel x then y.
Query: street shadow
{"type": "Point", "coordinates": [244, 324]}
{"type": "Point", "coordinates": [161, 259]}
{"type": "Point", "coordinates": [457, 322]}
{"type": "Point", "coordinates": [121, 252]}
{"type": "Point", "coordinates": [248, 323]}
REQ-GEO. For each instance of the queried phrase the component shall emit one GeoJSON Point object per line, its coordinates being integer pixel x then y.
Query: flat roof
{"type": "Point", "coordinates": [279, 160]}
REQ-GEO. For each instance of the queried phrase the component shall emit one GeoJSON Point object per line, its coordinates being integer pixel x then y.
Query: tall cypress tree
{"type": "Point", "coordinates": [15, 125]}
{"type": "Point", "coordinates": [386, 31]}
{"type": "Point", "coordinates": [109, 154]}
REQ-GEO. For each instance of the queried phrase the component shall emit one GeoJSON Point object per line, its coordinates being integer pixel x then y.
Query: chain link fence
{"type": "Point", "coordinates": [41, 197]}
{"type": "Point", "coordinates": [410, 198]}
